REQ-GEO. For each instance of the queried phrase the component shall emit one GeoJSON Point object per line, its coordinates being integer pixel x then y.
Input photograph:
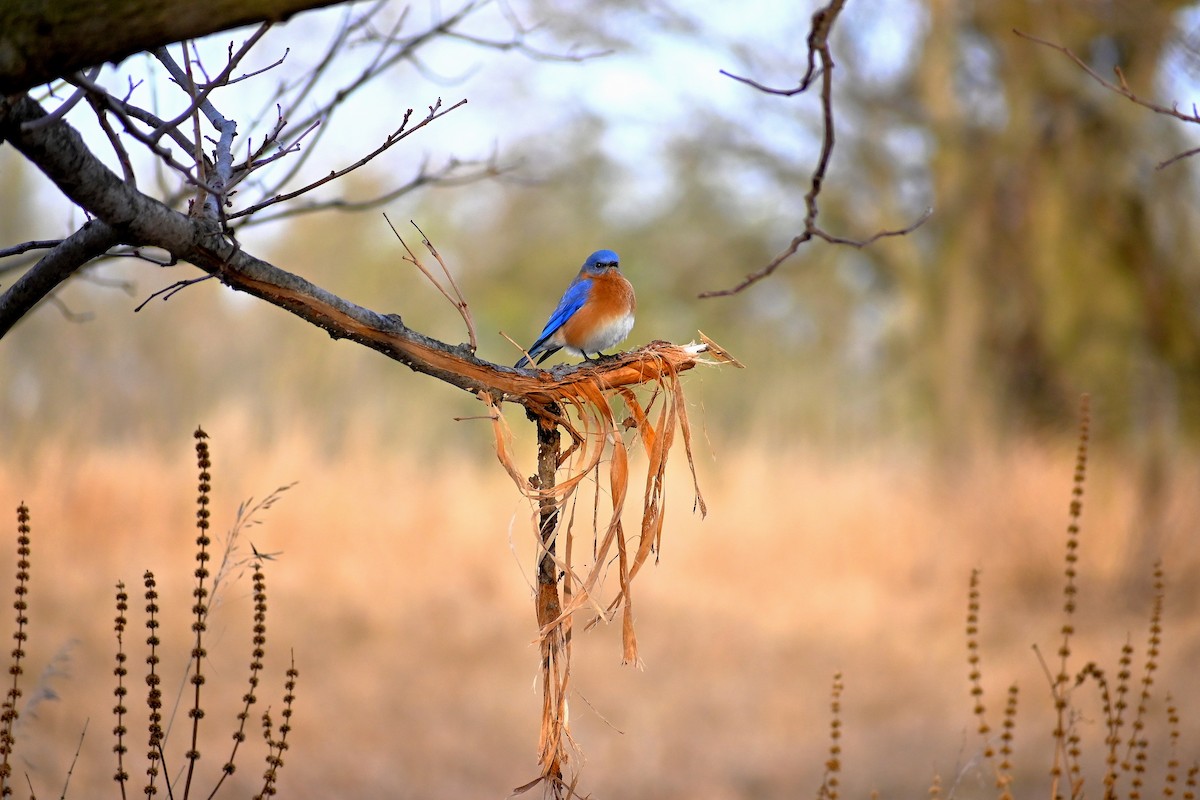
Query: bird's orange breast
{"type": "Point", "coordinates": [610, 304]}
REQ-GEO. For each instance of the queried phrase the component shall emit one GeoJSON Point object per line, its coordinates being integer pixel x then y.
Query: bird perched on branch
{"type": "Point", "coordinates": [595, 312]}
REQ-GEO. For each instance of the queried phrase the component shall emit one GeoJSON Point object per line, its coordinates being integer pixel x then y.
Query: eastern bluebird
{"type": "Point", "coordinates": [595, 312]}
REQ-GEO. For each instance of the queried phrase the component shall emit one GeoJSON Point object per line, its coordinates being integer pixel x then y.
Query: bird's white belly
{"type": "Point", "coordinates": [604, 337]}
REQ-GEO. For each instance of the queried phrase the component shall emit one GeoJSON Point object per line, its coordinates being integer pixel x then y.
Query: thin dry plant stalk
{"type": "Point", "coordinates": [598, 446]}
{"type": "Point", "coordinates": [458, 301]}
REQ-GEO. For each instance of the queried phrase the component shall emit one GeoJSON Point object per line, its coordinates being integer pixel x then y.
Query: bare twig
{"type": "Point", "coordinates": [806, 236]}
{"type": "Point", "coordinates": [118, 147]}
{"type": "Point", "coordinates": [377, 66]}
{"type": "Point", "coordinates": [256, 159]}
{"type": "Point", "coordinates": [1121, 87]}
{"type": "Point", "coordinates": [203, 200]}
{"type": "Point", "coordinates": [349, 25]}
{"type": "Point", "coordinates": [519, 347]}
{"type": "Point", "coordinates": [62, 261]}
{"type": "Point", "coordinates": [1177, 157]}
{"type": "Point", "coordinates": [25, 247]}
{"type": "Point", "coordinates": [246, 75]}
{"type": "Point", "coordinates": [126, 112]}
{"type": "Point", "coordinates": [74, 761]}
{"type": "Point", "coordinates": [382, 60]}
{"type": "Point", "coordinates": [520, 45]}
{"type": "Point", "coordinates": [391, 47]}
{"type": "Point", "coordinates": [149, 140]}
{"type": "Point", "coordinates": [200, 98]}
{"type": "Point", "coordinates": [308, 81]}
{"type": "Point", "coordinates": [435, 112]}
{"type": "Point", "coordinates": [67, 104]}
{"type": "Point", "coordinates": [133, 85]}
{"type": "Point", "coordinates": [820, 65]}
{"type": "Point", "coordinates": [818, 42]}
{"type": "Point", "coordinates": [169, 291]}
{"type": "Point", "coordinates": [452, 174]}
{"type": "Point", "coordinates": [459, 303]}
{"type": "Point", "coordinates": [141, 255]}
{"type": "Point", "coordinates": [222, 171]}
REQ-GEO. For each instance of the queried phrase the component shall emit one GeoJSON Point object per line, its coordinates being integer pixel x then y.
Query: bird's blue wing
{"type": "Point", "coordinates": [572, 300]}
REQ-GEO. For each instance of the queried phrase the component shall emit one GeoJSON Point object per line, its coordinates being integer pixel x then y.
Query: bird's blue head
{"type": "Point", "coordinates": [601, 261]}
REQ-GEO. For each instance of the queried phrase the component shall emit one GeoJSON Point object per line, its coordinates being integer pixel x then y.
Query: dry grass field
{"type": "Point", "coordinates": [403, 591]}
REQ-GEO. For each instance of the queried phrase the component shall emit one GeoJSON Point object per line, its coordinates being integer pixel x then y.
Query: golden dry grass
{"type": "Point", "coordinates": [404, 591]}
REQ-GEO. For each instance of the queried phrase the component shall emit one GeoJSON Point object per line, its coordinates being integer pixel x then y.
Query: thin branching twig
{"type": "Point", "coordinates": [820, 65]}
{"type": "Point", "coordinates": [435, 112]}
{"type": "Point", "coordinates": [454, 295]}
{"type": "Point", "coordinates": [1121, 87]}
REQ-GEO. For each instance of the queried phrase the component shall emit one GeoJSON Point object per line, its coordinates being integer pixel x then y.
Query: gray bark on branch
{"type": "Point", "coordinates": [42, 41]}
{"type": "Point", "coordinates": [63, 260]}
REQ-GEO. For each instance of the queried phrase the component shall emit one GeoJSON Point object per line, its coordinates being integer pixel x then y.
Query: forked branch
{"type": "Point", "coordinates": [435, 112]}
{"type": "Point", "coordinates": [457, 300]}
{"type": "Point", "coordinates": [820, 65]}
{"type": "Point", "coordinates": [1121, 87]}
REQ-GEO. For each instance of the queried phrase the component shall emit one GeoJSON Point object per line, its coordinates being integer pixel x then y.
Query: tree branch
{"type": "Point", "coordinates": [435, 112]}
{"type": "Point", "coordinates": [820, 65]}
{"type": "Point", "coordinates": [101, 112]}
{"type": "Point", "coordinates": [151, 141]}
{"type": "Point", "coordinates": [1122, 88]}
{"type": "Point", "coordinates": [24, 247]}
{"type": "Point", "coordinates": [87, 243]}
{"type": "Point", "coordinates": [458, 301]}
{"type": "Point", "coordinates": [454, 173]}
{"type": "Point", "coordinates": [70, 102]}
{"type": "Point", "coordinates": [198, 94]}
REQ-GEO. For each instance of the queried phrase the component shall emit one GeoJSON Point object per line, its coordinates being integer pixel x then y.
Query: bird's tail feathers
{"type": "Point", "coordinates": [537, 351]}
